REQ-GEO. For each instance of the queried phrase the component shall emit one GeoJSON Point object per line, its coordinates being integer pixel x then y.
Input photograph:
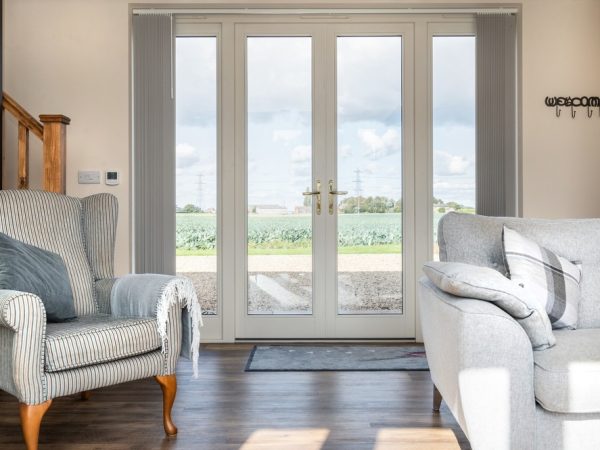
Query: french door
{"type": "Point", "coordinates": [324, 145]}
{"type": "Point", "coordinates": [315, 156]}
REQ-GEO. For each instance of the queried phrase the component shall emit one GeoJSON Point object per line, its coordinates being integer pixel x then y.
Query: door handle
{"type": "Point", "coordinates": [332, 193]}
{"type": "Point", "coordinates": [317, 193]}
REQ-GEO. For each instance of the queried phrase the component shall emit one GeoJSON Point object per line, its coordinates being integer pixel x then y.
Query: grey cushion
{"type": "Point", "coordinates": [53, 222]}
{"type": "Point", "coordinates": [567, 376]}
{"type": "Point", "coordinates": [477, 240]}
{"type": "Point", "coordinates": [469, 281]}
{"type": "Point", "coordinates": [27, 268]}
{"type": "Point", "coordinates": [98, 339]}
{"type": "Point", "coordinates": [552, 278]}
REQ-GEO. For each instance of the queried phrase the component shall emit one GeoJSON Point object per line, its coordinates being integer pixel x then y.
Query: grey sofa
{"type": "Point", "coordinates": [503, 394]}
{"type": "Point", "coordinates": [40, 361]}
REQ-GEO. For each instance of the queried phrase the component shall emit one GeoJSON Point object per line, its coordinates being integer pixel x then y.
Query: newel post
{"type": "Point", "coordinates": [55, 144]}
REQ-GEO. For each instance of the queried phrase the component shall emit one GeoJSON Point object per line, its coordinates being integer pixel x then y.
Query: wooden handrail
{"type": "Point", "coordinates": [53, 132]}
{"type": "Point", "coordinates": [9, 104]}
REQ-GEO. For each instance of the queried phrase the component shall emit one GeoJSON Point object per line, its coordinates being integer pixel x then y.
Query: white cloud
{"type": "Point", "coordinates": [372, 168]}
{"type": "Point", "coordinates": [379, 146]}
{"type": "Point", "coordinates": [452, 164]}
{"type": "Point", "coordinates": [301, 154]}
{"type": "Point", "coordinates": [345, 151]}
{"type": "Point", "coordinates": [286, 136]}
{"type": "Point", "coordinates": [186, 155]}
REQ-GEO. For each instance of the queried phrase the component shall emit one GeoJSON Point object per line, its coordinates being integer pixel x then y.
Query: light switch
{"type": "Point", "coordinates": [88, 176]}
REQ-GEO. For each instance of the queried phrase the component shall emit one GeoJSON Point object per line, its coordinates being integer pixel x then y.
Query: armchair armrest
{"type": "Point", "coordinates": [481, 361]}
{"type": "Point", "coordinates": [22, 334]}
{"type": "Point", "coordinates": [138, 295]}
{"type": "Point", "coordinates": [163, 297]}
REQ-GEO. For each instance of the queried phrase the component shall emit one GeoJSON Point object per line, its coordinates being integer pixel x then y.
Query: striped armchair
{"type": "Point", "coordinates": [40, 361]}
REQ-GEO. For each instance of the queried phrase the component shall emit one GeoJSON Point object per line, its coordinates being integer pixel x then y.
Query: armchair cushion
{"type": "Point", "coordinates": [27, 268]}
{"type": "Point", "coordinates": [97, 339]}
{"type": "Point", "coordinates": [567, 376]}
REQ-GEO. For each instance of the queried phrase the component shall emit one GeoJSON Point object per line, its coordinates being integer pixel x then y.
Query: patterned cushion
{"type": "Point", "coordinates": [96, 339]}
{"type": "Point", "coordinates": [553, 279]}
{"type": "Point", "coordinates": [52, 222]}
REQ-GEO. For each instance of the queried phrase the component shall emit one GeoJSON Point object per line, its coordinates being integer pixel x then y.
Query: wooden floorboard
{"type": "Point", "coordinates": [227, 409]}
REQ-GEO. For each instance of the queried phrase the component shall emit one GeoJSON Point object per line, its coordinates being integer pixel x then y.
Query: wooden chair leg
{"type": "Point", "coordinates": [437, 399]}
{"type": "Point", "coordinates": [86, 395]}
{"type": "Point", "coordinates": [31, 418]}
{"type": "Point", "coordinates": [168, 384]}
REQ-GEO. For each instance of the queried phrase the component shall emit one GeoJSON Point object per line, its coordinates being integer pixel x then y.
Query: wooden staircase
{"type": "Point", "coordinates": [51, 129]}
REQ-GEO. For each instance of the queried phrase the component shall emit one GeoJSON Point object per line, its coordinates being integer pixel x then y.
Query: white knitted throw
{"type": "Point", "coordinates": [180, 291]}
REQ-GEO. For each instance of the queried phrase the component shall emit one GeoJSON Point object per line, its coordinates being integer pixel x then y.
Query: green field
{"type": "Point", "coordinates": [292, 234]}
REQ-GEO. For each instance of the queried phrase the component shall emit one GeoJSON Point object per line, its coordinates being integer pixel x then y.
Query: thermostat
{"type": "Point", "coordinates": [111, 177]}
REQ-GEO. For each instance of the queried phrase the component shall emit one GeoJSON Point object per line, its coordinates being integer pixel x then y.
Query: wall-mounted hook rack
{"type": "Point", "coordinates": [588, 102]}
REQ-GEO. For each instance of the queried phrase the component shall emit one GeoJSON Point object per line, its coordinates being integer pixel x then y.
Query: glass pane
{"type": "Point", "coordinates": [369, 167]}
{"type": "Point", "coordinates": [196, 152]}
{"type": "Point", "coordinates": [279, 170]}
{"type": "Point", "coordinates": [453, 127]}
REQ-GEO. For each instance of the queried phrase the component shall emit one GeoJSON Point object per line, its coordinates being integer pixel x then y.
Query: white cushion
{"type": "Point", "coordinates": [567, 376]}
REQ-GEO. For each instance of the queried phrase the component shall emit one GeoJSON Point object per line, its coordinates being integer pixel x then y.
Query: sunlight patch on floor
{"type": "Point", "coordinates": [416, 439]}
{"type": "Point", "coordinates": [289, 439]}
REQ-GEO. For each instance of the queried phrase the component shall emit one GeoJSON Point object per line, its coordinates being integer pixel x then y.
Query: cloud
{"type": "Point", "coordinates": [345, 151]}
{"type": "Point", "coordinates": [196, 80]}
{"type": "Point", "coordinates": [186, 155]}
{"type": "Point", "coordinates": [380, 146]}
{"type": "Point", "coordinates": [372, 168]}
{"type": "Point", "coordinates": [451, 165]}
{"type": "Point", "coordinates": [454, 80]}
{"type": "Point", "coordinates": [369, 79]}
{"type": "Point", "coordinates": [286, 136]}
{"type": "Point", "coordinates": [301, 154]}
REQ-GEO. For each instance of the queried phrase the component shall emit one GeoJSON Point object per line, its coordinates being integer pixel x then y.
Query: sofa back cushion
{"type": "Point", "coordinates": [477, 240]}
{"type": "Point", "coordinates": [52, 222]}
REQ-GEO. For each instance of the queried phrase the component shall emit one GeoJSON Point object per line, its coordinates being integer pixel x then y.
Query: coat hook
{"type": "Point", "coordinates": [573, 112]}
{"type": "Point", "coordinates": [590, 113]}
{"type": "Point", "coordinates": [557, 112]}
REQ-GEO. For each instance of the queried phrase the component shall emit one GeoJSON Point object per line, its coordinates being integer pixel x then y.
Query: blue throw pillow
{"type": "Point", "coordinates": [31, 269]}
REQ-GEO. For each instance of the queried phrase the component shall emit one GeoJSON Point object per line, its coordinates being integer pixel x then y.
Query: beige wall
{"type": "Point", "coordinates": [71, 57]}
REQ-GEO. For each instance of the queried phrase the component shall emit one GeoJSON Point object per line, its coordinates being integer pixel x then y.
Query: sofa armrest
{"type": "Point", "coordinates": [481, 361]}
{"type": "Point", "coordinates": [22, 335]}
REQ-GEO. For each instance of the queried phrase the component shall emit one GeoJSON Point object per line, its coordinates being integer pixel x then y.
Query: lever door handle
{"type": "Point", "coordinates": [316, 193]}
{"type": "Point", "coordinates": [332, 192]}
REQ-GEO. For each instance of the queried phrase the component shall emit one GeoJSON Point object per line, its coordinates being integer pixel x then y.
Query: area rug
{"type": "Point", "coordinates": [301, 358]}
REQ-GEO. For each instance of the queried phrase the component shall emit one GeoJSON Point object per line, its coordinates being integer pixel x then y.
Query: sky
{"type": "Point", "coordinates": [369, 104]}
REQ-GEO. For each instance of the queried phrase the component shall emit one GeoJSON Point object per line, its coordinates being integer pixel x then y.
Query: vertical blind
{"type": "Point", "coordinates": [496, 177]}
{"type": "Point", "coordinates": [153, 144]}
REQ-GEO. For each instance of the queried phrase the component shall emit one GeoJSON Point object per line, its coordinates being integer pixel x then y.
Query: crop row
{"type": "Point", "coordinates": [201, 234]}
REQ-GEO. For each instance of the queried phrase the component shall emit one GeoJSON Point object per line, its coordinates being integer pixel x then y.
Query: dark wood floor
{"type": "Point", "coordinates": [230, 409]}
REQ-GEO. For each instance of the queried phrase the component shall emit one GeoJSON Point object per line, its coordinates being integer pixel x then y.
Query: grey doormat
{"type": "Point", "coordinates": [301, 358]}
